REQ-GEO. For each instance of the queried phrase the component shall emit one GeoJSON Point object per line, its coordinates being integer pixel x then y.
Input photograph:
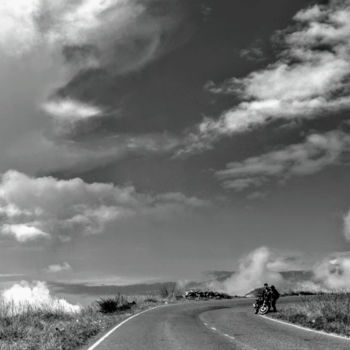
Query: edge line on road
{"type": "Point", "coordinates": [343, 337]}
{"type": "Point", "coordinates": [98, 342]}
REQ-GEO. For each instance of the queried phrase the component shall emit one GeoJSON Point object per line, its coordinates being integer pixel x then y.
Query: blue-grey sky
{"type": "Point", "coordinates": [150, 139]}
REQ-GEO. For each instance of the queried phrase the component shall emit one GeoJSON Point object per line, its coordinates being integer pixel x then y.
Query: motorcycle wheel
{"type": "Point", "coordinates": [263, 310]}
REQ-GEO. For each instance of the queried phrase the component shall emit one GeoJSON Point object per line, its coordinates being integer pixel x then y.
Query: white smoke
{"type": "Point", "coordinates": [253, 272]}
{"type": "Point", "coordinates": [25, 296]}
{"type": "Point", "coordinates": [181, 284]}
{"type": "Point", "coordinates": [329, 274]}
{"type": "Point", "coordinates": [333, 273]}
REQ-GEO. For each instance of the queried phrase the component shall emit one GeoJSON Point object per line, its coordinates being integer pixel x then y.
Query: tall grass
{"type": "Point", "coordinates": [42, 327]}
{"type": "Point", "coordinates": [167, 291]}
{"type": "Point", "coordinates": [170, 291]}
{"type": "Point", "coordinates": [36, 329]}
{"type": "Point", "coordinates": [329, 312]}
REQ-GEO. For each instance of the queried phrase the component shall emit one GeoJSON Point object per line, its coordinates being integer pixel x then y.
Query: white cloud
{"type": "Point", "coordinates": [25, 296]}
{"type": "Point", "coordinates": [310, 79]}
{"type": "Point", "coordinates": [18, 29]}
{"type": "Point", "coordinates": [71, 110]}
{"type": "Point", "coordinates": [108, 25]}
{"type": "Point", "coordinates": [47, 207]}
{"type": "Point", "coordinates": [313, 13]}
{"type": "Point", "coordinates": [24, 232]}
{"type": "Point", "coordinates": [314, 154]}
{"type": "Point", "coordinates": [55, 268]}
{"type": "Point", "coordinates": [59, 39]}
{"type": "Point", "coordinates": [30, 22]}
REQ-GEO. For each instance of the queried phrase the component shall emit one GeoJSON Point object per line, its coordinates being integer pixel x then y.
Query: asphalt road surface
{"type": "Point", "coordinates": [214, 325]}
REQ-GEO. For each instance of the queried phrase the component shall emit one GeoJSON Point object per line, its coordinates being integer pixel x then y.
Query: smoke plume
{"type": "Point", "coordinates": [253, 272]}
{"type": "Point", "coordinates": [24, 297]}
{"type": "Point", "coordinates": [289, 273]}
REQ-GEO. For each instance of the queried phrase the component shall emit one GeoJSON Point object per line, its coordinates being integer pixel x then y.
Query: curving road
{"type": "Point", "coordinates": [214, 325]}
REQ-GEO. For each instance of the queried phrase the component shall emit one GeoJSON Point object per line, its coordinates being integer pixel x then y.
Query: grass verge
{"type": "Point", "coordinates": [329, 312]}
{"type": "Point", "coordinates": [44, 329]}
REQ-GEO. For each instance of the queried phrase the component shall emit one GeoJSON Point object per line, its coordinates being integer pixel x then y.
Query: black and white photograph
{"type": "Point", "coordinates": [174, 174]}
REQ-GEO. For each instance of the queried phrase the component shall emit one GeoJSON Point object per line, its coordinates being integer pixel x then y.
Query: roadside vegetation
{"type": "Point", "coordinates": [329, 312]}
{"type": "Point", "coordinates": [48, 329]}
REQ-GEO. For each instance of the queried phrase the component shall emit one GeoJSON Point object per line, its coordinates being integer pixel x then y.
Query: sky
{"type": "Point", "coordinates": [146, 140]}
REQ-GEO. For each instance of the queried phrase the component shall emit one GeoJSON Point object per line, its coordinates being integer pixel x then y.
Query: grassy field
{"type": "Point", "coordinates": [329, 312]}
{"type": "Point", "coordinates": [45, 329]}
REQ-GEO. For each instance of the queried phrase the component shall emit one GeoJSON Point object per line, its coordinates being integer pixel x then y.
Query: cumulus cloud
{"type": "Point", "coordinates": [63, 40]}
{"type": "Point", "coordinates": [71, 110]}
{"type": "Point", "coordinates": [25, 296]}
{"type": "Point", "coordinates": [315, 153]}
{"type": "Point", "coordinates": [55, 268]}
{"type": "Point", "coordinates": [24, 232]}
{"type": "Point", "coordinates": [18, 30]}
{"type": "Point", "coordinates": [109, 26]}
{"type": "Point", "coordinates": [33, 208]}
{"type": "Point", "coordinates": [308, 80]}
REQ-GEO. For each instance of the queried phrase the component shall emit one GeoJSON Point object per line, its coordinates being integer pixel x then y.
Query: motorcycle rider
{"type": "Point", "coordinates": [274, 296]}
{"type": "Point", "coordinates": [266, 293]}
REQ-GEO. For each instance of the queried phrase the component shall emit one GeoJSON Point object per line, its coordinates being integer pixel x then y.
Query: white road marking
{"type": "Point", "coordinates": [307, 329]}
{"type": "Point", "coordinates": [229, 336]}
{"type": "Point", "coordinates": [94, 346]}
{"type": "Point", "coordinates": [214, 329]}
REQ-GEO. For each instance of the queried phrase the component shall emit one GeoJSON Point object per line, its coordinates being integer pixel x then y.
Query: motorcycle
{"type": "Point", "coordinates": [262, 306]}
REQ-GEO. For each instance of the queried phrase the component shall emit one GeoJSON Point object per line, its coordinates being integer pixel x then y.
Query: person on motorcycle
{"type": "Point", "coordinates": [266, 293]}
{"type": "Point", "coordinates": [274, 296]}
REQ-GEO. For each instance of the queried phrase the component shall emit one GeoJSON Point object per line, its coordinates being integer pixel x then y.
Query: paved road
{"type": "Point", "coordinates": [213, 325]}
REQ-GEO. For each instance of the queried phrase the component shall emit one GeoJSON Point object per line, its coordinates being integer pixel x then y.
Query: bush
{"type": "Point", "coordinates": [116, 304]}
{"type": "Point", "coordinates": [151, 300]}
